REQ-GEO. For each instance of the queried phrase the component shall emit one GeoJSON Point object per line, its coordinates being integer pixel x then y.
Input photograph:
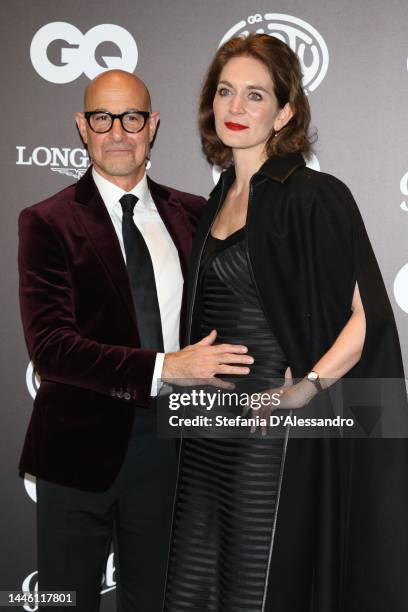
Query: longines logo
{"type": "Point", "coordinates": [77, 53]}
{"type": "Point", "coordinates": [72, 162]}
{"type": "Point", "coordinates": [404, 191]}
{"type": "Point", "coordinates": [301, 37]}
{"type": "Point", "coordinates": [30, 584]}
{"type": "Point", "coordinates": [312, 163]}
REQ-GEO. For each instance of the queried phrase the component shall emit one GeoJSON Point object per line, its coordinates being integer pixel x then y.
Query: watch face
{"type": "Point", "coordinates": [313, 375]}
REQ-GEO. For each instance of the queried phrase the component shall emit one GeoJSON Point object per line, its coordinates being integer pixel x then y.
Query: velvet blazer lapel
{"type": "Point", "coordinates": [91, 211]}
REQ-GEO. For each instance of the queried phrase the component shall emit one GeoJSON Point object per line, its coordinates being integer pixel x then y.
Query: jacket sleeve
{"type": "Point", "coordinates": [346, 257]}
{"type": "Point", "coordinates": [58, 350]}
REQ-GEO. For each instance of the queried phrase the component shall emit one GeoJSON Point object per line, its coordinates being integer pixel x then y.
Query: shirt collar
{"type": "Point", "coordinates": [111, 193]}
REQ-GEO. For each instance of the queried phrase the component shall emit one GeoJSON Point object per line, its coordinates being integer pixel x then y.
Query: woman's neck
{"type": "Point", "coordinates": [247, 162]}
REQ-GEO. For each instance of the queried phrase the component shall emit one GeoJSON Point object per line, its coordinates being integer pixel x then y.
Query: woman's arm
{"type": "Point", "coordinates": [343, 355]}
{"type": "Point", "coordinates": [346, 351]}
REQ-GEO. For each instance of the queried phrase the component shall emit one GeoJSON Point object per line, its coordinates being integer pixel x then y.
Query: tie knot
{"type": "Point", "coordinates": [128, 202]}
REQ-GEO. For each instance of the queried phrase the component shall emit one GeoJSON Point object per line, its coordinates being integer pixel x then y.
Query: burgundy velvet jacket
{"type": "Point", "coordinates": [81, 331]}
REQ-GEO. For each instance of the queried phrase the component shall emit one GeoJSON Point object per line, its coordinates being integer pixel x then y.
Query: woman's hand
{"type": "Point", "coordinates": [290, 396]}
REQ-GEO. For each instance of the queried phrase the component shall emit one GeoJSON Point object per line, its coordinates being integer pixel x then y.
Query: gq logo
{"type": "Point", "coordinates": [30, 485]}
{"type": "Point", "coordinates": [33, 381]}
{"type": "Point", "coordinates": [401, 288]}
{"type": "Point", "coordinates": [77, 53]}
{"type": "Point", "coordinates": [401, 279]}
{"type": "Point", "coordinates": [33, 384]}
{"type": "Point", "coordinates": [30, 585]}
{"type": "Point", "coordinates": [108, 582]}
{"type": "Point", "coordinates": [404, 191]}
{"type": "Point", "coordinates": [301, 37]}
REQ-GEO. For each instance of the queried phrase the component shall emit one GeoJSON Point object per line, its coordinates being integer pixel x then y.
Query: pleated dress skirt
{"type": "Point", "coordinates": [228, 488]}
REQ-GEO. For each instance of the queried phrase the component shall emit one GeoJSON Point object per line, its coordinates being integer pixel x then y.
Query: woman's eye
{"type": "Point", "coordinates": [254, 95]}
{"type": "Point", "coordinates": [223, 91]}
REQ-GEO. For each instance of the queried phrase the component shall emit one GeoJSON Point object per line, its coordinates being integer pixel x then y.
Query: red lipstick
{"type": "Point", "coordinates": [235, 126]}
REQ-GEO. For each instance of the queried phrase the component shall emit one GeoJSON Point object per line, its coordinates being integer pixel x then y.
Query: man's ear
{"type": "Point", "coordinates": [283, 117]}
{"type": "Point", "coordinates": [81, 125]}
{"type": "Point", "coordinates": [153, 122]}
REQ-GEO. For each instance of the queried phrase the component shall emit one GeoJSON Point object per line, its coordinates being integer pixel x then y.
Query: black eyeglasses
{"type": "Point", "coordinates": [102, 121]}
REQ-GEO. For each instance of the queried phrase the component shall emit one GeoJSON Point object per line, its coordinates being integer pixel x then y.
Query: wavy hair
{"type": "Point", "coordinates": [286, 74]}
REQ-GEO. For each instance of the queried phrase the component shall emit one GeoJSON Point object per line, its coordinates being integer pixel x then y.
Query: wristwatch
{"type": "Point", "coordinates": [315, 380]}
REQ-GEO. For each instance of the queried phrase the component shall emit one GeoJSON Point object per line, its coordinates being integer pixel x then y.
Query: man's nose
{"type": "Point", "coordinates": [117, 129]}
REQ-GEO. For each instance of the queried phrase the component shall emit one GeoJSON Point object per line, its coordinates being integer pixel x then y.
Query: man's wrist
{"type": "Point", "coordinates": [166, 371]}
{"type": "Point", "coordinates": [157, 374]}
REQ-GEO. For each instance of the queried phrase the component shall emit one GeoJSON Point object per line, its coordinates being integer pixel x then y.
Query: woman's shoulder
{"type": "Point", "coordinates": [316, 182]}
{"type": "Point", "coordinates": [319, 189]}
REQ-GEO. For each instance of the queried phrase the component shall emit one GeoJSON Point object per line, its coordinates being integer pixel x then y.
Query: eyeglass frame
{"type": "Point", "coordinates": [145, 114]}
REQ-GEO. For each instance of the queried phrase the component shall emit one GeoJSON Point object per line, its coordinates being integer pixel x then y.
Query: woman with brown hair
{"type": "Point", "coordinates": [282, 264]}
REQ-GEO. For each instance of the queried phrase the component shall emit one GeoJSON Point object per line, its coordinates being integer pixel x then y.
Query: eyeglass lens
{"type": "Point", "coordinates": [102, 122]}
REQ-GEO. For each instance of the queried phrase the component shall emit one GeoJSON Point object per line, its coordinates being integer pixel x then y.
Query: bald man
{"type": "Point", "coordinates": [102, 270]}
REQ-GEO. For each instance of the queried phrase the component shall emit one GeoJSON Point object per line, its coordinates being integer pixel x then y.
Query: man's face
{"type": "Point", "coordinates": [118, 155]}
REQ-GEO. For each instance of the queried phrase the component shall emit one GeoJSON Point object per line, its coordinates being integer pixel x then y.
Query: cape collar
{"type": "Point", "coordinates": [278, 168]}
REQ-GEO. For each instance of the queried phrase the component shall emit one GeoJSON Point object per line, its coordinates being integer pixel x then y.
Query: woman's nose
{"type": "Point", "coordinates": [236, 105]}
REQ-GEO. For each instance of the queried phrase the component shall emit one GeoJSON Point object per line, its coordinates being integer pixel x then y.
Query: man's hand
{"type": "Point", "coordinates": [205, 360]}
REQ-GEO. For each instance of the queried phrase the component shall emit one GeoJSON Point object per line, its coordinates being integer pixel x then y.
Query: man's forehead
{"type": "Point", "coordinates": [119, 88]}
{"type": "Point", "coordinates": [117, 95]}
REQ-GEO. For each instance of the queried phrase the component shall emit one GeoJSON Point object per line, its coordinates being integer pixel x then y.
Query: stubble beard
{"type": "Point", "coordinates": [120, 167]}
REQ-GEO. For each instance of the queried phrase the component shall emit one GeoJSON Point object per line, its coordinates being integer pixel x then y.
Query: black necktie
{"type": "Point", "coordinates": [141, 277]}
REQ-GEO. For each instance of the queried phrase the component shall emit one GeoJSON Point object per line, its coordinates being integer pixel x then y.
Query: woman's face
{"type": "Point", "coordinates": [245, 106]}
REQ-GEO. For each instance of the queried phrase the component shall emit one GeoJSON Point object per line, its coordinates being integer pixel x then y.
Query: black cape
{"type": "Point", "coordinates": [341, 540]}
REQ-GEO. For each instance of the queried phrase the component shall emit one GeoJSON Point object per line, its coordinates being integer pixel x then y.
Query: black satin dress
{"type": "Point", "coordinates": [228, 489]}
